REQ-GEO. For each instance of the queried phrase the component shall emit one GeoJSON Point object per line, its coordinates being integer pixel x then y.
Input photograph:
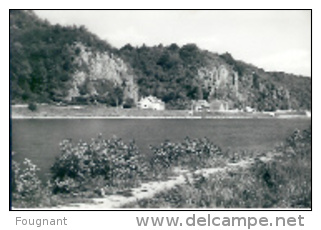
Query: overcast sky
{"type": "Point", "coordinates": [273, 40]}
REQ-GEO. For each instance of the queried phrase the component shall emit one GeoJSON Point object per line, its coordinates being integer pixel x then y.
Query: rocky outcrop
{"type": "Point", "coordinates": [219, 80]}
{"type": "Point", "coordinates": [94, 68]}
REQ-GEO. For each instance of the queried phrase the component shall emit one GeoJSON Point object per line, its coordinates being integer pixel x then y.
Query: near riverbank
{"type": "Point", "coordinates": [194, 173]}
{"type": "Point", "coordinates": [149, 189]}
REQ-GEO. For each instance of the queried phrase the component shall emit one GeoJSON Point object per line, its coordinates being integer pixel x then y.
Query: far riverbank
{"type": "Point", "coordinates": [103, 112]}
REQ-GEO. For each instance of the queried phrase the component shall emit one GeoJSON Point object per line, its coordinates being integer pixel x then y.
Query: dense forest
{"type": "Point", "coordinates": [69, 64]}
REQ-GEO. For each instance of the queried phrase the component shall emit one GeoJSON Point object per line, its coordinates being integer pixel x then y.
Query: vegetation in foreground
{"type": "Point", "coordinates": [283, 182]}
{"type": "Point", "coordinates": [86, 170]}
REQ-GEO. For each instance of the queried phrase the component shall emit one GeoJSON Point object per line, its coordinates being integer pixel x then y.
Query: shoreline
{"type": "Point", "coordinates": [155, 117]}
{"type": "Point", "coordinates": [103, 112]}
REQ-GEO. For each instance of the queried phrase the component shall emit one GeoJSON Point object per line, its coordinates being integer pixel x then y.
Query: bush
{"type": "Point", "coordinates": [27, 190]}
{"type": "Point", "coordinates": [32, 106]}
{"type": "Point", "coordinates": [129, 103]}
{"type": "Point", "coordinates": [189, 154]}
{"type": "Point", "coordinates": [112, 162]}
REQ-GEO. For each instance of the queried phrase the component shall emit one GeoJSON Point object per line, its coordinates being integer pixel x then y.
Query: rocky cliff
{"type": "Point", "coordinates": [94, 69]}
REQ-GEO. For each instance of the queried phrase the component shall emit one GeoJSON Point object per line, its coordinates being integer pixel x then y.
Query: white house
{"type": "Point", "coordinates": [308, 113]}
{"type": "Point", "coordinates": [151, 102]}
{"type": "Point", "coordinates": [249, 109]}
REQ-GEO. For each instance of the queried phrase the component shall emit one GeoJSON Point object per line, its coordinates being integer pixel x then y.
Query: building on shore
{"type": "Point", "coordinates": [219, 105]}
{"type": "Point", "coordinates": [308, 113]}
{"type": "Point", "coordinates": [249, 109]}
{"type": "Point", "coordinates": [200, 106]}
{"type": "Point", "coordinates": [151, 102]}
{"type": "Point", "coordinates": [212, 106]}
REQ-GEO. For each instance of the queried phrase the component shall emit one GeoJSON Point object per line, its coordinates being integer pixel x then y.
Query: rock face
{"type": "Point", "coordinates": [220, 81]}
{"type": "Point", "coordinates": [95, 68]}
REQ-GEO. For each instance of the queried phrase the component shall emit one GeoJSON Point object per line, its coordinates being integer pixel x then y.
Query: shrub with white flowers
{"type": "Point", "coordinates": [194, 154]}
{"type": "Point", "coordinates": [118, 163]}
{"type": "Point", "coordinates": [26, 186]}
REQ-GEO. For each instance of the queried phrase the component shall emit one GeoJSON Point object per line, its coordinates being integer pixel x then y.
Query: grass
{"type": "Point", "coordinates": [254, 187]}
{"type": "Point", "coordinates": [284, 181]}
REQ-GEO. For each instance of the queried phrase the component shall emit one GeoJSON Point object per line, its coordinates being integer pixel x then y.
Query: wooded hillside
{"type": "Point", "coordinates": [54, 63]}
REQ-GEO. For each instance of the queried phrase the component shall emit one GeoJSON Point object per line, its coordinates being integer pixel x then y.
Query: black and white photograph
{"type": "Point", "coordinates": [160, 109]}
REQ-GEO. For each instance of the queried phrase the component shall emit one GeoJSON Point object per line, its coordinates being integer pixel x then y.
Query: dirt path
{"type": "Point", "coordinates": [150, 189]}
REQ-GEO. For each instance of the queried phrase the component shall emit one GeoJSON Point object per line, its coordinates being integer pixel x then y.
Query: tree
{"type": "Point", "coordinates": [116, 97]}
{"type": "Point", "coordinates": [129, 103]}
{"type": "Point", "coordinates": [32, 106]}
{"type": "Point", "coordinates": [200, 93]}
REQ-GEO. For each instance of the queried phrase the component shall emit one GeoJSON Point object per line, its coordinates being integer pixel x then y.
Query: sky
{"type": "Point", "coordinates": [272, 40]}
